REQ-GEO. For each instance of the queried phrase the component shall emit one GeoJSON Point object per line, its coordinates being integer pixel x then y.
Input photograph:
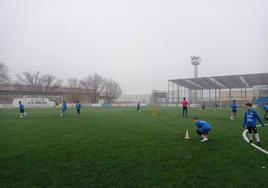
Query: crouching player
{"type": "Point", "coordinates": [63, 109]}
{"type": "Point", "coordinates": [202, 128]}
{"type": "Point", "coordinates": [250, 123]}
{"type": "Point", "coordinates": [22, 111]}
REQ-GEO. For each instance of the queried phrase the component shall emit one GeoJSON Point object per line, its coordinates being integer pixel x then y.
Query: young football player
{"type": "Point", "coordinates": [203, 128]}
{"type": "Point", "coordinates": [185, 104]}
{"type": "Point", "coordinates": [266, 112]}
{"type": "Point", "coordinates": [63, 109]}
{"type": "Point", "coordinates": [203, 106]}
{"type": "Point", "coordinates": [139, 106]}
{"type": "Point", "coordinates": [234, 107]}
{"type": "Point", "coordinates": [250, 118]}
{"type": "Point", "coordinates": [22, 110]}
{"type": "Point", "coordinates": [78, 107]}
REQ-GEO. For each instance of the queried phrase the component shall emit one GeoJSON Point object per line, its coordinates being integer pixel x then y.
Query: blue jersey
{"type": "Point", "coordinates": [203, 125]}
{"type": "Point", "coordinates": [234, 106]}
{"type": "Point", "coordinates": [78, 106]}
{"type": "Point", "coordinates": [64, 107]}
{"type": "Point", "coordinates": [250, 118]}
{"type": "Point", "coordinates": [266, 108]}
{"type": "Point", "coordinates": [21, 107]}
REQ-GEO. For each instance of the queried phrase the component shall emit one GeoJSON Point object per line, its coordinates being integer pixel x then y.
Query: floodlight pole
{"type": "Point", "coordinates": [195, 61]}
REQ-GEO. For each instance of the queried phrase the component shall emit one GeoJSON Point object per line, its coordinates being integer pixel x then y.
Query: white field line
{"type": "Point", "coordinates": [244, 134]}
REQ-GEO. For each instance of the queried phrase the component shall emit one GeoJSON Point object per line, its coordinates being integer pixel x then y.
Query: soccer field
{"type": "Point", "coordinates": [118, 147]}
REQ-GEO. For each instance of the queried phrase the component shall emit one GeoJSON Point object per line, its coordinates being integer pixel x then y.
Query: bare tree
{"type": "Point", "coordinates": [112, 90]}
{"type": "Point", "coordinates": [86, 84]}
{"type": "Point", "coordinates": [73, 83]}
{"type": "Point", "coordinates": [75, 87]}
{"type": "Point", "coordinates": [31, 79]}
{"type": "Point", "coordinates": [4, 75]}
{"type": "Point", "coordinates": [95, 85]}
{"type": "Point", "coordinates": [50, 83]}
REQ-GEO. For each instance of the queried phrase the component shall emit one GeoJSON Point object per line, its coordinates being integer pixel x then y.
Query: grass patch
{"type": "Point", "coordinates": [118, 147]}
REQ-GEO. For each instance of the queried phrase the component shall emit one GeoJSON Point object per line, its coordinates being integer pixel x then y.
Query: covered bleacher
{"type": "Point", "coordinates": [218, 89]}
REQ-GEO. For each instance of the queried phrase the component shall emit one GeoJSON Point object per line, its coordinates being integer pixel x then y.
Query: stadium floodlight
{"type": "Point", "coordinates": [195, 60]}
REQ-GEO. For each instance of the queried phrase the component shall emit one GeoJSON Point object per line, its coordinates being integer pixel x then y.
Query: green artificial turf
{"type": "Point", "coordinates": [119, 147]}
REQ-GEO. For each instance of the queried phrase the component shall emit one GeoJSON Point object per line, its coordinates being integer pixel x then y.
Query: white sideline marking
{"type": "Point", "coordinates": [244, 134]}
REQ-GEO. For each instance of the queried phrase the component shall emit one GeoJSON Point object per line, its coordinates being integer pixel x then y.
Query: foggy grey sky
{"type": "Point", "coordinates": [139, 43]}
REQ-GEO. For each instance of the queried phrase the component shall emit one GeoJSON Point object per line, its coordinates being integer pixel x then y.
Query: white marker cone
{"type": "Point", "coordinates": [187, 136]}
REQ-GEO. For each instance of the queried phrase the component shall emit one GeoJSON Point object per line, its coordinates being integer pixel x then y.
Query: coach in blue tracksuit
{"type": "Point", "coordinates": [250, 118]}
{"type": "Point", "coordinates": [202, 128]}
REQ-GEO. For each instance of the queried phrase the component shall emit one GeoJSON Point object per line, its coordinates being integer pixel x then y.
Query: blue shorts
{"type": "Point", "coordinates": [234, 111]}
{"type": "Point", "coordinates": [22, 111]}
{"type": "Point", "coordinates": [251, 126]}
{"type": "Point", "coordinates": [205, 131]}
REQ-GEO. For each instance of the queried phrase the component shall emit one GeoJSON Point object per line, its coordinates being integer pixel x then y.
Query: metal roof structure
{"type": "Point", "coordinates": [223, 82]}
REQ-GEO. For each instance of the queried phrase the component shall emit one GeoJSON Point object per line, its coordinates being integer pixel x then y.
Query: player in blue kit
{"type": "Point", "coordinates": [78, 107]}
{"type": "Point", "coordinates": [22, 110]}
{"type": "Point", "coordinates": [203, 128]}
{"type": "Point", "coordinates": [63, 109]}
{"type": "Point", "coordinates": [234, 107]}
{"type": "Point", "coordinates": [250, 118]}
{"type": "Point", "coordinates": [266, 112]}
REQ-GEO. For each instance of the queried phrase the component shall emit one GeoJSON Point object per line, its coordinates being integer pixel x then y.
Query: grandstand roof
{"type": "Point", "coordinates": [223, 82]}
